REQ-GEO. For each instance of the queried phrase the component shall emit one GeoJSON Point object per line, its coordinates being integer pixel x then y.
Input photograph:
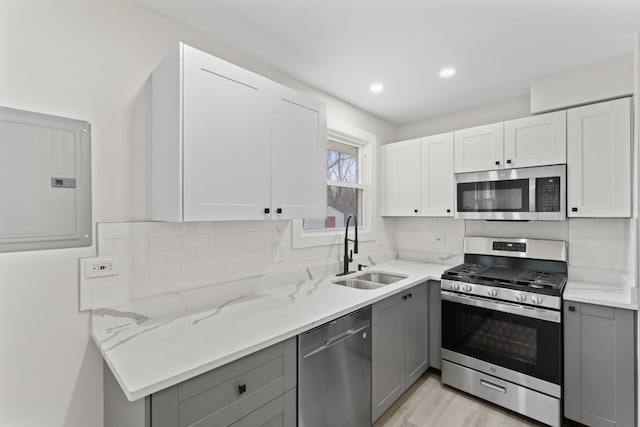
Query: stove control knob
{"type": "Point", "coordinates": [455, 286]}
{"type": "Point", "coordinates": [521, 297]}
{"type": "Point", "coordinates": [492, 292]}
{"type": "Point", "coordinates": [467, 288]}
{"type": "Point", "coordinates": [537, 300]}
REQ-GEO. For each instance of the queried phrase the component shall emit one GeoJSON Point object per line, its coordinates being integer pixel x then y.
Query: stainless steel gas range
{"type": "Point", "coordinates": [502, 324]}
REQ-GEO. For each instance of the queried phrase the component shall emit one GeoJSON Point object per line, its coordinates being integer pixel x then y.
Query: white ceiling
{"type": "Point", "coordinates": [342, 46]}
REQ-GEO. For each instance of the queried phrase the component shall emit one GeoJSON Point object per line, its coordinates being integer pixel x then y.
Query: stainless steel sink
{"type": "Point", "coordinates": [358, 284]}
{"type": "Point", "coordinates": [370, 280]}
{"type": "Point", "coordinates": [381, 278]}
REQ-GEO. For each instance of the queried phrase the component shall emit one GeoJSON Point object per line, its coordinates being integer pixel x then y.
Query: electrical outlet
{"type": "Point", "coordinates": [277, 252]}
{"type": "Point", "coordinates": [439, 238]}
{"type": "Point", "coordinates": [100, 267]}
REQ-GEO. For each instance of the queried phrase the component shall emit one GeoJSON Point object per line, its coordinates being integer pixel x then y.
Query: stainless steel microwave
{"type": "Point", "coordinates": [537, 193]}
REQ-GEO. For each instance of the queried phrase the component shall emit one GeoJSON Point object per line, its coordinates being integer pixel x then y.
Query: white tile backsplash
{"type": "Point", "coordinates": [157, 258]}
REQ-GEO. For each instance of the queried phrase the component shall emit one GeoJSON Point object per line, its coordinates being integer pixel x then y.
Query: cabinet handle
{"type": "Point", "coordinates": [242, 388]}
{"type": "Point", "coordinates": [267, 210]}
{"type": "Point", "coordinates": [572, 308]}
{"type": "Point", "coordinates": [574, 209]}
{"type": "Point", "coordinates": [497, 162]}
{"type": "Point", "coordinates": [509, 161]}
{"type": "Point", "coordinates": [410, 295]}
{"type": "Point", "coordinates": [448, 210]}
{"type": "Point", "coordinates": [279, 210]}
{"type": "Point", "coordinates": [404, 297]}
{"type": "Point", "coordinates": [415, 210]}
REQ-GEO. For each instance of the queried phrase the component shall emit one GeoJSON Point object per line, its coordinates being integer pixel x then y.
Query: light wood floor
{"type": "Point", "coordinates": [428, 403]}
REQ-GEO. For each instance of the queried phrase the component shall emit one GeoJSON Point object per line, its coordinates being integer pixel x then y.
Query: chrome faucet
{"type": "Point", "coordinates": [348, 255]}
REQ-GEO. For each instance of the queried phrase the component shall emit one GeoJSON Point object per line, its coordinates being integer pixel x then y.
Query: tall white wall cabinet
{"type": "Point", "coordinates": [599, 160]}
{"type": "Point", "coordinates": [229, 144]}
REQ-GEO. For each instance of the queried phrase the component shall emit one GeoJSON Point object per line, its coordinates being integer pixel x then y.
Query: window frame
{"type": "Point", "coordinates": [366, 143]}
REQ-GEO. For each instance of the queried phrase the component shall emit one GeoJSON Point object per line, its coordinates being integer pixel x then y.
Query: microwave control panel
{"type": "Point", "coordinates": [548, 194]}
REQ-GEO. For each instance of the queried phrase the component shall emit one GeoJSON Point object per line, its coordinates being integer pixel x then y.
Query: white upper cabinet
{"type": "Point", "coordinates": [479, 148]}
{"type": "Point", "coordinates": [418, 176]}
{"type": "Point", "coordinates": [225, 140]}
{"type": "Point", "coordinates": [536, 140]}
{"type": "Point", "coordinates": [229, 144]}
{"type": "Point", "coordinates": [530, 141]}
{"type": "Point", "coordinates": [437, 175]}
{"type": "Point", "coordinates": [599, 160]}
{"type": "Point", "coordinates": [401, 166]}
{"type": "Point", "coordinates": [298, 151]}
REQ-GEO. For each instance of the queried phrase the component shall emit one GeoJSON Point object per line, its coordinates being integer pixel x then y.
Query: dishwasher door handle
{"type": "Point", "coordinates": [335, 340]}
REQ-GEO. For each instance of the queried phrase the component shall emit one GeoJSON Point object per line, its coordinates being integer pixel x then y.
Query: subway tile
{"type": "Point", "coordinates": [105, 247]}
{"type": "Point", "coordinates": [164, 243]}
{"type": "Point", "coordinates": [130, 245]}
{"type": "Point", "coordinates": [195, 241]}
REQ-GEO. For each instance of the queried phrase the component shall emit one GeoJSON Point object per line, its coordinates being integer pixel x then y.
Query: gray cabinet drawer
{"type": "Point", "coordinates": [227, 394]}
{"type": "Point", "coordinates": [280, 412]}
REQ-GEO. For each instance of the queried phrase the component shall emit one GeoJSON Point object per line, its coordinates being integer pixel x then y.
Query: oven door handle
{"type": "Point", "coordinates": [505, 307]}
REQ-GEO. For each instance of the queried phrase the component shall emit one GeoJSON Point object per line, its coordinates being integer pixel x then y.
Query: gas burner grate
{"type": "Point", "coordinates": [464, 270]}
{"type": "Point", "coordinates": [539, 280]}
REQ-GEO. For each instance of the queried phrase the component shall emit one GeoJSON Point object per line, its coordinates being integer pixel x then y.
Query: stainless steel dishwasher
{"type": "Point", "coordinates": [334, 373]}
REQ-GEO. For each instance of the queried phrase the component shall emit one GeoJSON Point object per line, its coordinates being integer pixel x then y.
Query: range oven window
{"type": "Point", "coordinates": [494, 196]}
{"type": "Point", "coordinates": [519, 343]}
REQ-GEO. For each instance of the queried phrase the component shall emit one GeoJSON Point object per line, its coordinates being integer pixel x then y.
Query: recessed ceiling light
{"type": "Point", "coordinates": [376, 88]}
{"type": "Point", "coordinates": [447, 72]}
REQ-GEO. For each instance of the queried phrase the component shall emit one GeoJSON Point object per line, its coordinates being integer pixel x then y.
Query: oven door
{"type": "Point", "coordinates": [519, 338]}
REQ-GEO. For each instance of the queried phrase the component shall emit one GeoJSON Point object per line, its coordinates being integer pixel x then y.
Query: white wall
{"type": "Point", "coordinates": [610, 78]}
{"type": "Point", "coordinates": [88, 60]}
{"type": "Point", "coordinates": [497, 112]}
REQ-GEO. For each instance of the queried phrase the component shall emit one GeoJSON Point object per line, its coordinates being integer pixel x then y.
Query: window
{"type": "Point", "coordinates": [344, 191]}
{"type": "Point", "coordinates": [350, 160]}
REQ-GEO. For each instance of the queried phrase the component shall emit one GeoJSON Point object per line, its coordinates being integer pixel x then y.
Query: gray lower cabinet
{"type": "Point", "coordinates": [258, 390]}
{"type": "Point", "coordinates": [435, 325]}
{"type": "Point", "coordinates": [400, 352]}
{"type": "Point", "coordinates": [599, 365]}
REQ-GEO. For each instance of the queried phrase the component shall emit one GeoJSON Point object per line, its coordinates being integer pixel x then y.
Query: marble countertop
{"type": "Point", "coordinates": [619, 296]}
{"type": "Point", "coordinates": [158, 342]}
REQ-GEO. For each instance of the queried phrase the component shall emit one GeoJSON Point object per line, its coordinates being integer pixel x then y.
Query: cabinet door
{"type": "Point", "coordinates": [536, 140]}
{"type": "Point", "coordinates": [387, 354]}
{"type": "Point", "coordinates": [599, 160]}
{"type": "Point", "coordinates": [599, 362]}
{"type": "Point", "coordinates": [401, 162]}
{"type": "Point", "coordinates": [280, 412]}
{"type": "Point", "coordinates": [435, 325]}
{"type": "Point", "coordinates": [479, 148]}
{"type": "Point", "coordinates": [416, 347]}
{"type": "Point", "coordinates": [226, 115]}
{"type": "Point", "coordinates": [298, 156]}
{"type": "Point", "coordinates": [437, 186]}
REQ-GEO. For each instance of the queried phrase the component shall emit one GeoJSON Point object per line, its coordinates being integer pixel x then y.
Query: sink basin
{"type": "Point", "coordinates": [381, 278]}
{"type": "Point", "coordinates": [358, 284]}
{"type": "Point", "coordinates": [370, 280]}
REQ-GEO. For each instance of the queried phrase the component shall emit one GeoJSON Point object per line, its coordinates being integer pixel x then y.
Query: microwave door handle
{"type": "Point", "coordinates": [532, 194]}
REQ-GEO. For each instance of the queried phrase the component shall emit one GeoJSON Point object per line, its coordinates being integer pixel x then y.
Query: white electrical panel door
{"type": "Point", "coordinates": [298, 156]}
{"type": "Point", "coordinates": [401, 162]}
{"type": "Point", "coordinates": [479, 148]}
{"type": "Point", "coordinates": [226, 120]}
{"type": "Point", "coordinates": [45, 181]}
{"type": "Point", "coordinates": [536, 141]}
{"type": "Point", "coordinates": [599, 160]}
{"type": "Point", "coordinates": [437, 175]}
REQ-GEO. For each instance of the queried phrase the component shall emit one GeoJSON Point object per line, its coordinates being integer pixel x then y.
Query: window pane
{"type": "Point", "coordinates": [342, 162]}
{"type": "Point", "coordinates": [341, 202]}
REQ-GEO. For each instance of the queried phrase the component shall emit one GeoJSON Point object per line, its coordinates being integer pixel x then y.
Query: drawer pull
{"type": "Point", "coordinates": [242, 388]}
{"type": "Point", "coordinates": [493, 386]}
